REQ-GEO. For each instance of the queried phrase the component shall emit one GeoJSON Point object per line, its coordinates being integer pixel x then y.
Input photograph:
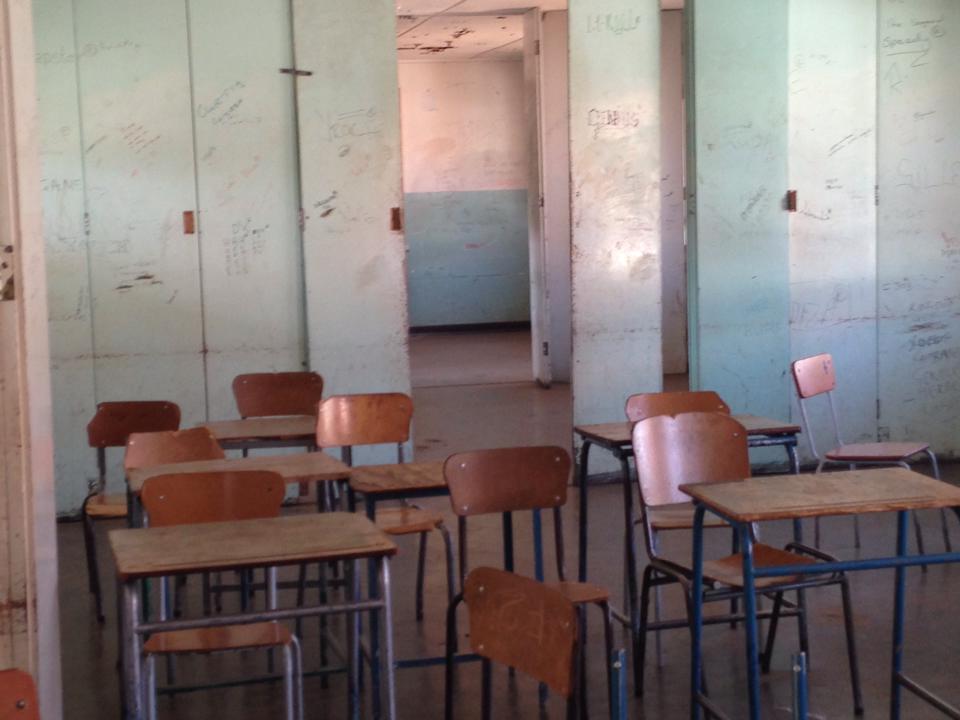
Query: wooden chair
{"type": "Point", "coordinates": [712, 447]}
{"type": "Point", "coordinates": [346, 421]}
{"type": "Point", "coordinates": [18, 696]}
{"type": "Point", "coordinates": [815, 376]}
{"type": "Point", "coordinates": [277, 394]}
{"type": "Point", "coordinates": [173, 446]}
{"type": "Point", "coordinates": [675, 516]}
{"type": "Point", "coordinates": [523, 624]}
{"type": "Point", "coordinates": [509, 480]}
{"type": "Point", "coordinates": [110, 426]}
{"type": "Point", "coordinates": [187, 498]}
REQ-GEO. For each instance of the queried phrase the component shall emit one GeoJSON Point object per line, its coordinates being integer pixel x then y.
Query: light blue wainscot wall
{"type": "Point", "coordinates": [468, 257]}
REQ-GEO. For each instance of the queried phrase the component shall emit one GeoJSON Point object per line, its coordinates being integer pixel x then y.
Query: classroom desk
{"type": "Point", "coordinates": [299, 468]}
{"type": "Point", "coordinates": [210, 547]}
{"type": "Point", "coordinates": [794, 497]}
{"type": "Point", "coordinates": [264, 432]}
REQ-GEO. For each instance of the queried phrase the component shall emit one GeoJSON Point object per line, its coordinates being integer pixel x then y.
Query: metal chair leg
{"type": "Point", "coordinates": [93, 571]}
{"type": "Point", "coordinates": [771, 633]}
{"type": "Point", "coordinates": [421, 562]}
{"type": "Point", "coordinates": [608, 646]}
{"type": "Point", "coordinates": [486, 684]}
{"type": "Point", "coordinates": [288, 691]}
{"type": "Point", "coordinates": [640, 645]}
{"type": "Point", "coordinates": [851, 646]}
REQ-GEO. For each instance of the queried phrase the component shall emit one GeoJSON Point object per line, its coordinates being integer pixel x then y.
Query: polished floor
{"type": "Point", "coordinates": [451, 418]}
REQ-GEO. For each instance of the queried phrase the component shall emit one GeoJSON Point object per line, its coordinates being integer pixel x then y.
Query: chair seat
{"type": "Point", "coordinates": [729, 570]}
{"type": "Point", "coordinates": [877, 452]}
{"type": "Point", "coordinates": [106, 506]}
{"type": "Point", "coordinates": [229, 637]}
{"type": "Point", "coordinates": [678, 517]}
{"type": "Point", "coordinates": [408, 520]}
{"type": "Point", "coordinates": [581, 593]}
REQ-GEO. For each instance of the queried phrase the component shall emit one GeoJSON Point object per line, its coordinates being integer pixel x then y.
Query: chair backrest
{"type": "Point", "coordinates": [644, 405]}
{"type": "Point", "coordinates": [814, 375]}
{"type": "Point", "coordinates": [160, 448]}
{"type": "Point", "coordinates": [524, 624]}
{"type": "Point", "coordinates": [275, 394]}
{"type": "Point", "coordinates": [368, 419]}
{"type": "Point", "coordinates": [113, 422]}
{"type": "Point", "coordinates": [507, 479]}
{"type": "Point", "coordinates": [188, 498]}
{"type": "Point", "coordinates": [671, 450]}
{"type": "Point", "coordinates": [18, 696]}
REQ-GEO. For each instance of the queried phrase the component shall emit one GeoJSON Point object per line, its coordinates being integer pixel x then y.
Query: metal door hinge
{"type": "Point", "coordinates": [301, 220]}
{"type": "Point", "coordinates": [295, 71]}
{"type": "Point", "coordinates": [876, 195]}
{"type": "Point", "coordinates": [546, 349]}
{"type": "Point", "coordinates": [536, 47]}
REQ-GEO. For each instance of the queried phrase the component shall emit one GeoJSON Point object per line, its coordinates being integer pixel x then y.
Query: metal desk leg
{"type": "Point", "coordinates": [353, 639]}
{"type": "Point", "coordinates": [696, 619]}
{"type": "Point", "coordinates": [508, 542]}
{"type": "Point", "coordinates": [750, 620]}
{"type": "Point", "coordinates": [899, 608]}
{"type": "Point", "coordinates": [630, 542]}
{"type": "Point", "coordinates": [133, 688]}
{"type": "Point", "coordinates": [372, 592]}
{"type": "Point", "coordinates": [537, 545]}
{"type": "Point", "coordinates": [389, 665]}
{"type": "Point", "coordinates": [582, 536]}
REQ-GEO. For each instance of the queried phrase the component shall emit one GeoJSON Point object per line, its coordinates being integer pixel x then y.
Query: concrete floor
{"type": "Point", "coordinates": [470, 358]}
{"type": "Point", "coordinates": [456, 418]}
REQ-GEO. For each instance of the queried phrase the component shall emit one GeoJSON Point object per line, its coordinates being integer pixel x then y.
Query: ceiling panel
{"type": "Point", "coordinates": [459, 37]}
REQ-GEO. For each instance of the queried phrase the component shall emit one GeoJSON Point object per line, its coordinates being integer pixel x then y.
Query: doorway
{"type": "Point", "coordinates": [471, 175]}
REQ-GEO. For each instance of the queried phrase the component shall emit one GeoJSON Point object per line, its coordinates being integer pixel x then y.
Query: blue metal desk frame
{"type": "Point", "coordinates": [900, 562]}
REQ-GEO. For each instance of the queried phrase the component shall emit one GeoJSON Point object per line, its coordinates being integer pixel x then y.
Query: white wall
{"type": "Point", "coordinates": [462, 126]}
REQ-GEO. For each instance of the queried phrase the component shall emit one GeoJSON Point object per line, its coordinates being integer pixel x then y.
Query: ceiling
{"type": "Point", "coordinates": [460, 30]}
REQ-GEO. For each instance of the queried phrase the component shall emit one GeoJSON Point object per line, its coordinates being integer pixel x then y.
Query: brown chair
{"type": "Point", "coordinates": [677, 516]}
{"type": "Point", "coordinates": [346, 421]}
{"type": "Point", "coordinates": [712, 447]}
{"type": "Point", "coordinates": [523, 624]}
{"type": "Point", "coordinates": [110, 426]}
{"type": "Point", "coordinates": [508, 480]}
{"type": "Point", "coordinates": [18, 696]}
{"type": "Point", "coordinates": [175, 446]}
{"type": "Point", "coordinates": [815, 376]}
{"type": "Point", "coordinates": [277, 394]}
{"type": "Point", "coordinates": [188, 498]}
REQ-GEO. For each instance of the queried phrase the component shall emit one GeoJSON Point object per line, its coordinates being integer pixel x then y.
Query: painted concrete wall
{"type": "Point", "coordinates": [673, 209]}
{"type": "Point", "coordinates": [615, 181]}
{"type": "Point", "coordinates": [738, 253]}
{"type": "Point", "coordinates": [833, 154]}
{"type": "Point", "coordinates": [464, 165]}
{"type": "Point", "coordinates": [555, 144]}
{"type": "Point", "coordinates": [350, 179]}
{"type": "Point", "coordinates": [918, 249]}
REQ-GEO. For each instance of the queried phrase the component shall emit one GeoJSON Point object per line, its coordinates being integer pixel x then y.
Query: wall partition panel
{"type": "Point", "coordinates": [615, 196]}
{"type": "Point", "coordinates": [247, 191]}
{"type": "Point", "coordinates": [354, 251]}
{"type": "Point", "coordinates": [918, 249]}
{"type": "Point", "coordinates": [138, 153]}
{"type": "Point", "coordinates": [738, 253]}
{"type": "Point", "coordinates": [833, 236]}
{"type": "Point", "coordinates": [68, 273]}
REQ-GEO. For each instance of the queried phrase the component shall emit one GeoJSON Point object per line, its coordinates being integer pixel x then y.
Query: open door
{"type": "Point", "coordinates": [539, 293]}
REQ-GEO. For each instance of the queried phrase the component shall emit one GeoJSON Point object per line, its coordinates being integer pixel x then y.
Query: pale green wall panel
{"type": "Point", "coordinates": [919, 221]}
{"type": "Point", "coordinates": [615, 188]}
{"type": "Point", "coordinates": [71, 345]}
{"type": "Point", "coordinates": [468, 257]}
{"type": "Point", "coordinates": [740, 247]}
{"type": "Point", "coordinates": [137, 139]}
{"type": "Point", "coordinates": [247, 191]}
{"type": "Point", "coordinates": [833, 155]}
{"type": "Point", "coordinates": [350, 175]}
